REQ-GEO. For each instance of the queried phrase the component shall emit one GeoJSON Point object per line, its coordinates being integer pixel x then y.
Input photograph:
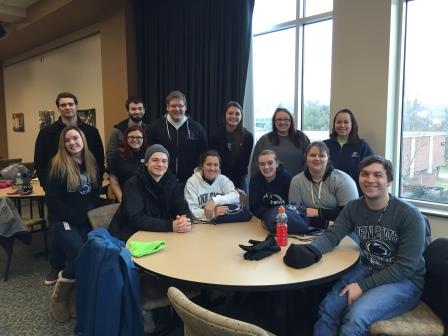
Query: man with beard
{"type": "Point", "coordinates": [136, 112]}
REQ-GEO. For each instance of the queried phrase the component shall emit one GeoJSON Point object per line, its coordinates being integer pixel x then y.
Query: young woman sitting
{"type": "Point", "coordinates": [270, 186]}
{"type": "Point", "coordinates": [323, 189]}
{"type": "Point", "coordinates": [71, 191]}
{"type": "Point", "coordinates": [208, 192]}
{"type": "Point", "coordinates": [127, 160]}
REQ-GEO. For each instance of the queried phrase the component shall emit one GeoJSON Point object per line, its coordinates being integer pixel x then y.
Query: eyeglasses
{"type": "Point", "coordinates": [139, 138]}
{"type": "Point", "coordinates": [283, 120]}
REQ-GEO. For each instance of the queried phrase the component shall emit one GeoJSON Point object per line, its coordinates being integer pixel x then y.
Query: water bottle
{"type": "Point", "coordinates": [19, 182]}
{"type": "Point", "coordinates": [282, 227]}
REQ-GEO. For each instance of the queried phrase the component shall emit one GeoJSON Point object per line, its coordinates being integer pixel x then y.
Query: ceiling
{"type": "Point", "coordinates": [14, 11]}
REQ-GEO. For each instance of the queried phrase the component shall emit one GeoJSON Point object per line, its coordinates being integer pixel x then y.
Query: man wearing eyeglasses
{"type": "Point", "coordinates": [183, 137]}
{"type": "Point", "coordinates": [47, 140]}
{"type": "Point", "coordinates": [136, 112]}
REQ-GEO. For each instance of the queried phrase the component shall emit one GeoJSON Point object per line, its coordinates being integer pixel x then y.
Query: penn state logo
{"type": "Point", "coordinates": [272, 200]}
{"type": "Point", "coordinates": [378, 248]}
{"type": "Point", "coordinates": [355, 154]}
{"type": "Point", "coordinates": [84, 187]}
{"type": "Point", "coordinates": [234, 209]}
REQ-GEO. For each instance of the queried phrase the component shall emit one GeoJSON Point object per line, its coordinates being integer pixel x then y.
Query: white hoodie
{"type": "Point", "coordinates": [198, 192]}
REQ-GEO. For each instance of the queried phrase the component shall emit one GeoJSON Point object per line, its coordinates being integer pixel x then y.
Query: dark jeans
{"type": "Point", "coordinates": [65, 247]}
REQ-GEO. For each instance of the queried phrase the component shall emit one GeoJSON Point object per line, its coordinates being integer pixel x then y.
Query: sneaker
{"type": "Point", "coordinates": [51, 277]}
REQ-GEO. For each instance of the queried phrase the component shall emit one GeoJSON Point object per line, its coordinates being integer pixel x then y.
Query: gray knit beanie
{"type": "Point", "coordinates": [154, 149]}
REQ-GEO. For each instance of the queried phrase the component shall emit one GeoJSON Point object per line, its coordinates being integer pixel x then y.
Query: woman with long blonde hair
{"type": "Point", "coordinates": [71, 191]}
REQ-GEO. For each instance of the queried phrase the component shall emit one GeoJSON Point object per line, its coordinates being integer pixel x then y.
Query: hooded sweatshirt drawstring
{"type": "Point", "coordinates": [312, 192]}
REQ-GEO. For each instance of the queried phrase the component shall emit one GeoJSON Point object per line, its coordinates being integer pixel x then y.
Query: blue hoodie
{"type": "Point", "coordinates": [348, 157]}
{"type": "Point", "coordinates": [264, 195]}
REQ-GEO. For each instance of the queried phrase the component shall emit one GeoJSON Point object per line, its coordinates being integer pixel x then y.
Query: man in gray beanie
{"type": "Point", "coordinates": [153, 149]}
{"type": "Point", "coordinates": [152, 200]}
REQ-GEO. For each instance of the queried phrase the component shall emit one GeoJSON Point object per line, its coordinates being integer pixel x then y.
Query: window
{"type": "Point", "coordinates": [424, 154]}
{"type": "Point", "coordinates": [292, 63]}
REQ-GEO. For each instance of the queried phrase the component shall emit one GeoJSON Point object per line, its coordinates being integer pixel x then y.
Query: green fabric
{"type": "Point", "coordinates": [139, 249]}
{"type": "Point", "coordinates": [342, 141]}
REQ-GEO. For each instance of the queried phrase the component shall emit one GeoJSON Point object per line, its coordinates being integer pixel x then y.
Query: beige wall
{"type": "Point", "coordinates": [360, 62]}
{"type": "Point", "coordinates": [51, 22]}
{"type": "Point", "coordinates": [3, 137]}
{"type": "Point", "coordinates": [32, 85]}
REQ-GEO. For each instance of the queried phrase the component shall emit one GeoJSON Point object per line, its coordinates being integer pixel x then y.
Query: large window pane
{"type": "Point", "coordinates": [424, 166]}
{"type": "Point", "coordinates": [313, 7]}
{"type": "Point", "coordinates": [268, 13]}
{"type": "Point", "coordinates": [274, 70]}
{"type": "Point", "coordinates": [316, 79]}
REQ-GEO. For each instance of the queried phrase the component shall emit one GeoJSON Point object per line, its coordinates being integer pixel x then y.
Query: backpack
{"type": "Point", "coordinates": [298, 223]}
{"type": "Point", "coordinates": [10, 172]}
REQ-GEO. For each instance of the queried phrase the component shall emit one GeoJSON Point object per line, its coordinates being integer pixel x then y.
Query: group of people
{"type": "Point", "coordinates": [168, 173]}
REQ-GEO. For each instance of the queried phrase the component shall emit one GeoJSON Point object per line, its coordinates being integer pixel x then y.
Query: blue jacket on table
{"type": "Point", "coordinates": [264, 195]}
{"type": "Point", "coordinates": [348, 157]}
{"type": "Point", "coordinates": [108, 300]}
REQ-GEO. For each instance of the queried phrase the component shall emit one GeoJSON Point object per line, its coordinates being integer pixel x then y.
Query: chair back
{"type": "Point", "coordinates": [199, 321]}
{"type": "Point", "coordinates": [102, 216]}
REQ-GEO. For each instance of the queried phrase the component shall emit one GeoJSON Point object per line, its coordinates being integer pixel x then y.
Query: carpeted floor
{"type": "Point", "coordinates": [24, 299]}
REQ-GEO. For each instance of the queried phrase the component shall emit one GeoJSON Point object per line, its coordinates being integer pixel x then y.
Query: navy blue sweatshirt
{"type": "Point", "coordinates": [65, 205]}
{"type": "Point", "coordinates": [348, 157]}
{"type": "Point", "coordinates": [264, 195]}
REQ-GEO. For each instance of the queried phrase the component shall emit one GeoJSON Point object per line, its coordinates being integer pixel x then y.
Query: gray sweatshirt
{"type": "Point", "coordinates": [391, 241]}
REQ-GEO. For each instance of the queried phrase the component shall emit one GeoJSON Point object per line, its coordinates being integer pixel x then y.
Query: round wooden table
{"type": "Point", "coordinates": [209, 256]}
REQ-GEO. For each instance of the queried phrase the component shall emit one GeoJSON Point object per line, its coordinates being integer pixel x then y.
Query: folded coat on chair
{"type": "Point", "coordinates": [108, 300]}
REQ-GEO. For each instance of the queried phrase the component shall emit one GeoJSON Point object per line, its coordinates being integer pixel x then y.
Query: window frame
{"type": "Point", "coordinates": [298, 25]}
{"type": "Point", "coordinates": [426, 207]}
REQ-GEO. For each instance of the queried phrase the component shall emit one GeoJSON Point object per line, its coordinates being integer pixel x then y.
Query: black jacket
{"type": "Point", "coordinates": [148, 205]}
{"type": "Point", "coordinates": [235, 168]}
{"type": "Point", "coordinates": [185, 145]}
{"type": "Point", "coordinates": [47, 146]}
{"type": "Point", "coordinates": [70, 206]}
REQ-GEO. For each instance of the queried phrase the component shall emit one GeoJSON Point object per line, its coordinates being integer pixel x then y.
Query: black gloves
{"type": "Point", "coordinates": [260, 249]}
{"type": "Point", "coordinates": [301, 256]}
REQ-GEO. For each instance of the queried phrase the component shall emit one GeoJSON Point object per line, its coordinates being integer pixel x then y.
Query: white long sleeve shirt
{"type": "Point", "coordinates": [198, 192]}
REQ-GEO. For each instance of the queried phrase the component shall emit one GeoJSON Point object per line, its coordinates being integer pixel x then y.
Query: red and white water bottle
{"type": "Point", "coordinates": [282, 227]}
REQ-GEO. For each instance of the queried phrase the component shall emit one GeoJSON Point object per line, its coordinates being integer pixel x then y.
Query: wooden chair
{"type": "Point", "coordinates": [199, 321]}
{"type": "Point", "coordinates": [102, 216]}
